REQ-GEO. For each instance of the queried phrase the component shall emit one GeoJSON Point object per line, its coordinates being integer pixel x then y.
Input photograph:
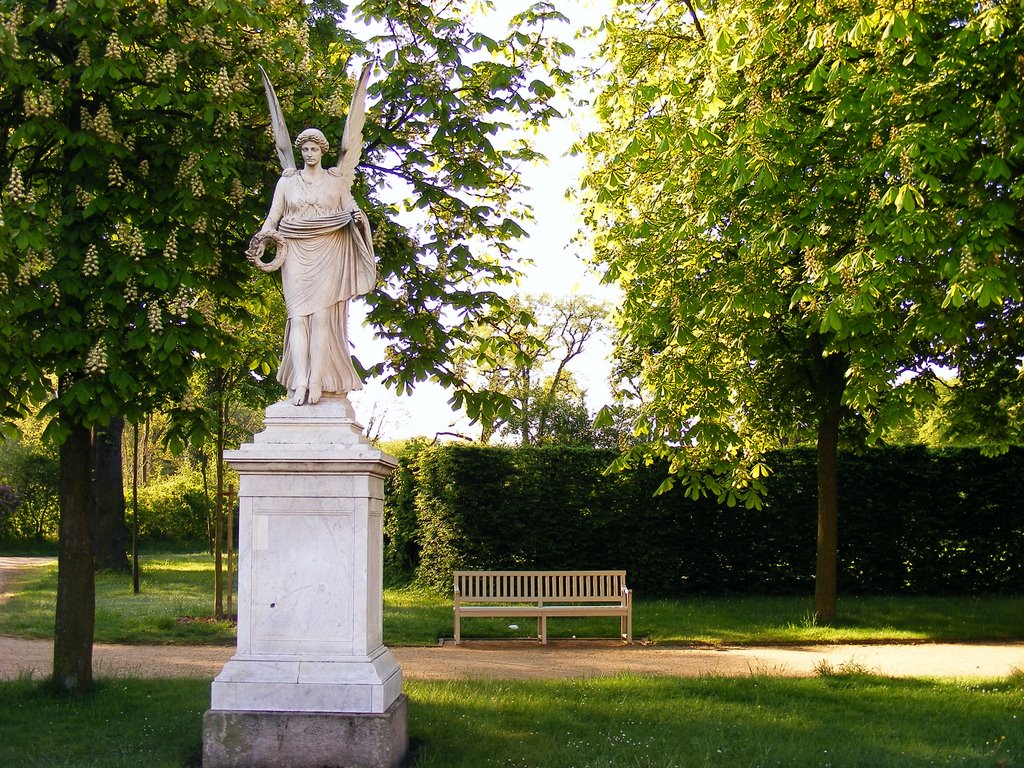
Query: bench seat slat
{"type": "Point", "coordinates": [547, 601]}
{"type": "Point", "coordinates": [501, 610]}
{"type": "Point", "coordinates": [547, 610]}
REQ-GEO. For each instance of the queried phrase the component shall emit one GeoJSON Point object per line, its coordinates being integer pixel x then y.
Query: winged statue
{"type": "Point", "coordinates": [324, 249]}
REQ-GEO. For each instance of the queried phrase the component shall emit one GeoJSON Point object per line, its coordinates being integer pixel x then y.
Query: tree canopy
{"type": "Point", "coordinates": [136, 164]}
{"type": "Point", "coordinates": [517, 362]}
{"type": "Point", "coordinates": [809, 205]}
{"type": "Point", "coordinates": [440, 133]}
{"type": "Point", "coordinates": [136, 161]}
{"type": "Point", "coordinates": [123, 142]}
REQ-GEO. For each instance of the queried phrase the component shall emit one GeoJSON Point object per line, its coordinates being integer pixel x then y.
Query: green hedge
{"type": "Point", "coordinates": [401, 548]}
{"type": "Point", "coordinates": [911, 520]}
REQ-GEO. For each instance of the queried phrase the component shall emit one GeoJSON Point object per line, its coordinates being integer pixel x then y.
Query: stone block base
{"type": "Point", "coordinates": [266, 683]}
{"type": "Point", "coordinates": [306, 739]}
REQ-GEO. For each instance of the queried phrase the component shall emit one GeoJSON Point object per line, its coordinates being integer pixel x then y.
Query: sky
{"type": "Point", "coordinates": [558, 268]}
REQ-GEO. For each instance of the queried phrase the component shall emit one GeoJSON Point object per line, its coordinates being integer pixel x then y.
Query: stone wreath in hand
{"type": "Point", "coordinates": [258, 245]}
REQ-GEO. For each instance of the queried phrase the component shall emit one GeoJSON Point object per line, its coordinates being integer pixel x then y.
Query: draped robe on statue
{"type": "Point", "coordinates": [330, 260]}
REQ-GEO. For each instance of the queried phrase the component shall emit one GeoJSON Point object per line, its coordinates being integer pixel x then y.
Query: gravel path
{"type": "Point", "coordinates": [512, 660]}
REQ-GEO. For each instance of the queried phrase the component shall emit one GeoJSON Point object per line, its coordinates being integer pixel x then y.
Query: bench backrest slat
{"type": "Point", "coordinates": [569, 586]}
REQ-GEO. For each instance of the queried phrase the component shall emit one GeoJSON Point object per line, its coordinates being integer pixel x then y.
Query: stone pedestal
{"type": "Point", "coordinates": [310, 656]}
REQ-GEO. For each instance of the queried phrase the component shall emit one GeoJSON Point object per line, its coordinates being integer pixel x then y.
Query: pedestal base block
{"type": "Point", "coordinates": [306, 739]}
{"type": "Point", "coordinates": [296, 684]}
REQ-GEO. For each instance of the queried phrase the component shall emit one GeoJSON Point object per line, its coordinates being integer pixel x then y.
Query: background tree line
{"type": "Point", "coordinates": [177, 487]}
{"type": "Point", "coordinates": [917, 521]}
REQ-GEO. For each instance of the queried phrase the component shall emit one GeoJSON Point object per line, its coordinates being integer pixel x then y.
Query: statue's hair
{"type": "Point", "coordinates": [315, 135]}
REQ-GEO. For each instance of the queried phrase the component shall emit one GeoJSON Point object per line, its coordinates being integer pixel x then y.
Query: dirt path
{"type": "Point", "coordinates": [511, 660]}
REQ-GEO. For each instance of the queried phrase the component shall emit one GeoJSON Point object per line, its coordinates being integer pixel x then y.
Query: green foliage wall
{"type": "Point", "coordinates": [948, 520]}
{"type": "Point", "coordinates": [401, 549]}
{"type": "Point", "coordinates": [911, 520]}
{"type": "Point", "coordinates": [173, 510]}
{"type": "Point", "coordinates": [30, 470]}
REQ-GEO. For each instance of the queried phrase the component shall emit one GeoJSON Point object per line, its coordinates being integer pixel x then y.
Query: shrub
{"type": "Point", "coordinates": [9, 502]}
{"type": "Point", "coordinates": [480, 507]}
{"type": "Point", "coordinates": [32, 472]}
{"type": "Point", "coordinates": [174, 509]}
{"type": "Point", "coordinates": [401, 550]}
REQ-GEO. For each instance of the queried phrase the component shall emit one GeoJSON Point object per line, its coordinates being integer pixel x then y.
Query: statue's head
{"type": "Point", "coordinates": [315, 135]}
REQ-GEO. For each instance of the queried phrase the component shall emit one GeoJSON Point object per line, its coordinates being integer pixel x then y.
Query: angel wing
{"type": "Point", "coordinates": [352, 137]}
{"type": "Point", "coordinates": [282, 141]}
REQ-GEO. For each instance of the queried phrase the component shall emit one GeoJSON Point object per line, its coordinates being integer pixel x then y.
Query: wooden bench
{"type": "Point", "coordinates": [543, 594]}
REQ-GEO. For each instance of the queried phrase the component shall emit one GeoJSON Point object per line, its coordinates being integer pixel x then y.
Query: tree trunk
{"type": "Point", "coordinates": [830, 383]}
{"type": "Point", "coordinates": [136, 586]}
{"type": "Point", "coordinates": [76, 585]}
{"type": "Point", "coordinates": [204, 464]}
{"type": "Point", "coordinates": [828, 517]}
{"type": "Point", "coordinates": [147, 454]}
{"type": "Point", "coordinates": [224, 511]}
{"type": "Point", "coordinates": [524, 414]}
{"type": "Point", "coordinates": [218, 527]}
{"type": "Point", "coordinates": [110, 532]}
{"type": "Point", "coordinates": [230, 526]}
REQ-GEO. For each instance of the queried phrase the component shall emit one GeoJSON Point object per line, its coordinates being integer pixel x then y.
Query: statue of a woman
{"type": "Point", "coordinates": [328, 255]}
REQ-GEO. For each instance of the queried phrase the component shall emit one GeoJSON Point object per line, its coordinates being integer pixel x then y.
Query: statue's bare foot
{"type": "Point", "coordinates": [300, 396]}
{"type": "Point", "coordinates": [314, 395]}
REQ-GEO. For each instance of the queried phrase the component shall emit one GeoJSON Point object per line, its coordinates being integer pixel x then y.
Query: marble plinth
{"type": "Point", "coordinates": [310, 580]}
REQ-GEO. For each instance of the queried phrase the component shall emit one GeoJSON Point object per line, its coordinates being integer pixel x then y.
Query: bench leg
{"type": "Point", "coordinates": [542, 629]}
{"type": "Point", "coordinates": [458, 627]}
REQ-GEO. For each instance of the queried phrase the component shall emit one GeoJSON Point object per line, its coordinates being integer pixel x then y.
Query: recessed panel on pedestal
{"type": "Point", "coordinates": [303, 564]}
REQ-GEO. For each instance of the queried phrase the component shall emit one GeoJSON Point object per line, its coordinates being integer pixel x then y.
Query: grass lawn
{"type": "Point", "coordinates": [843, 719]}
{"type": "Point", "coordinates": [175, 606]}
{"type": "Point", "coordinates": [846, 721]}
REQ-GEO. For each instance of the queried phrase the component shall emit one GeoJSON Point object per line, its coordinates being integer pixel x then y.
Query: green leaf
{"type": "Point", "coordinates": [908, 198]}
{"type": "Point", "coordinates": [604, 418]}
{"type": "Point", "coordinates": [831, 320]}
{"type": "Point", "coordinates": [990, 293]}
{"type": "Point", "coordinates": [955, 296]}
{"type": "Point", "coordinates": [740, 60]}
